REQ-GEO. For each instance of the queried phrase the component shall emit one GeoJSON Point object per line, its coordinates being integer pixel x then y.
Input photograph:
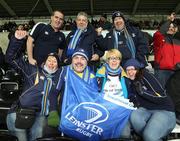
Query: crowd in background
{"type": "Point", "coordinates": [69, 24]}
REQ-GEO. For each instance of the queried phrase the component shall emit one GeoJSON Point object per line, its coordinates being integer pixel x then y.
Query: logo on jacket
{"type": "Point", "coordinates": [46, 33]}
{"type": "Point", "coordinates": [60, 39]}
{"type": "Point", "coordinates": [133, 35]}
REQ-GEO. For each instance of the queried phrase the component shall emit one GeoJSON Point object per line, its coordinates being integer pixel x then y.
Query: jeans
{"type": "Point", "coordinates": [126, 131]}
{"type": "Point", "coordinates": [163, 76]}
{"type": "Point", "coordinates": [153, 125]}
{"type": "Point", "coordinates": [36, 131]}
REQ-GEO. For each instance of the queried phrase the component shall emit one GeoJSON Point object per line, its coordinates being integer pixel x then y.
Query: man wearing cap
{"type": "Point", "coordinates": [79, 66]}
{"type": "Point", "coordinates": [38, 83]}
{"type": "Point", "coordinates": [128, 39]}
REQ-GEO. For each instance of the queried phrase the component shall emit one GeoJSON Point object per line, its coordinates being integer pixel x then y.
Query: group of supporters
{"type": "Point", "coordinates": [63, 81]}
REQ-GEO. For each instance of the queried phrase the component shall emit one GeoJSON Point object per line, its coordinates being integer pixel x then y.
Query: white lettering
{"type": "Point", "coordinates": [84, 132]}
{"type": "Point", "coordinates": [91, 127]}
{"type": "Point", "coordinates": [95, 129]}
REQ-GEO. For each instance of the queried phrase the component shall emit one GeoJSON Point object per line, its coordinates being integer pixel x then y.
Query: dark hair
{"type": "Point", "coordinates": [139, 74]}
{"type": "Point", "coordinates": [104, 15]}
{"type": "Point", "coordinates": [54, 54]}
{"type": "Point", "coordinates": [52, 14]}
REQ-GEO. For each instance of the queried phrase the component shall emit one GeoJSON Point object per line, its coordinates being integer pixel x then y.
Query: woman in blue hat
{"type": "Point", "coordinates": [154, 118]}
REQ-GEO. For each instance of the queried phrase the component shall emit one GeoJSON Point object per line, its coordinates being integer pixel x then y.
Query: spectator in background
{"type": "Point", "coordinates": [154, 118]}
{"type": "Point", "coordinates": [128, 39]}
{"type": "Point", "coordinates": [84, 36]}
{"type": "Point", "coordinates": [2, 59]}
{"type": "Point", "coordinates": [46, 38]}
{"type": "Point", "coordinates": [104, 23]}
{"type": "Point", "coordinates": [166, 45]}
{"type": "Point", "coordinates": [165, 26]}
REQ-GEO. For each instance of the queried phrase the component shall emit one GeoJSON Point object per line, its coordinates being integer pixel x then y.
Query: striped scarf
{"type": "Point", "coordinates": [45, 102]}
{"type": "Point", "coordinates": [129, 42]}
{"type": "Point", "coordinates": [111, 71]}
{"type": "Point", "coordinates": [86, 74]}
{"type": "Point", "coordinates": [73, 43]}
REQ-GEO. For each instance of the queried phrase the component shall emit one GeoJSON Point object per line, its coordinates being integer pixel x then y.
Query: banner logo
{"type": "Point", "coordinates": [86, 116]}
{"type": "Point", "coordinates": [95, 113]}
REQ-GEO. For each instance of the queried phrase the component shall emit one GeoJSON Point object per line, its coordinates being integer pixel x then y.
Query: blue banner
{"type": "Point", "coordinates": [87, 115]}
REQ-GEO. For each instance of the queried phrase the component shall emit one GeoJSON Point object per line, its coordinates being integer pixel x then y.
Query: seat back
{"type": "Point", "coordinates": [7, 137]}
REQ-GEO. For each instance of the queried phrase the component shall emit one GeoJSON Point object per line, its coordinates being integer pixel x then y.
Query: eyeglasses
{"type": "Point", "coordinates": [113, 58]}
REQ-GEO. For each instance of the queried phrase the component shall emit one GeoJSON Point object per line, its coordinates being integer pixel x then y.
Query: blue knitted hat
{"type": "Point", "coordinates": [82, 52]}
{"type": "Point", "coordinates": [133, 62]}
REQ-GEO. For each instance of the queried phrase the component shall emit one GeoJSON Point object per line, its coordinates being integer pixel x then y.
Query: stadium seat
{"type": "Point", "coordinates": [55, 138]}
{"type": "Point", "coordinates": [7, 137]}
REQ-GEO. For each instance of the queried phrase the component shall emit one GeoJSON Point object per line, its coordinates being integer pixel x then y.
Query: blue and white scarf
{"type": "Point", "coordinates": [86, 73]}
{"type": "Point", "coordinates": [74, 41]}
{"type": "Point", "coordinates": [129, 42]}
{"type": "Point", "coordinates": [111, 71]}
{"type": "Point", "coordinates": [45, 101]}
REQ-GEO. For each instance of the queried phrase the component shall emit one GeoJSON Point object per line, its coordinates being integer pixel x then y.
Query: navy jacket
{"type": "Point", "coordinates": [89, 42]}
{"type": "Point", "coordinates": [151, 94]}
{"type": "Point", "coordinates": [140, 42]}
{"type": "Point", "coordinates": [32, 93]}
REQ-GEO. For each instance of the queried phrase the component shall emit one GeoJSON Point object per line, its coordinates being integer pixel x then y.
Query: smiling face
{"type": "Point", "coordinates": [82, 21]}
{"type": "Point", "coordinates": [172, 29]}
{"type": "Point", "coordinates": [57, 20]}
{"type": "Point", "coordinates": [113, 58]}
{"type": "Point", "coordinates": [114, 62]}
{"type": "Point", "coordinates": [51, 64]}
{"type": "Point", "coordinates": [79, 63]}
{"type": "Point", "coordinates": [119, 23]}
{"type": "Point", "coordinates": [131, 72]}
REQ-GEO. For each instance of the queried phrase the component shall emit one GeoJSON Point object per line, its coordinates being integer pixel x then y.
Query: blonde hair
{"type": "Point", "coordinates": [115, 52]}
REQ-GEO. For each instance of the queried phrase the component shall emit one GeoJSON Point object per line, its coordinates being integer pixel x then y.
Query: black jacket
{"type": "Point", "coordinates": [89, 42]}
{"type": "Point", "coordinates": [140, 42]}
{"type": "Point", "coordinates": [150, 94]}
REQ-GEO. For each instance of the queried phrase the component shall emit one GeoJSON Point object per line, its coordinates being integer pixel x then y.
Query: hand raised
{"type": "Point", "coordinates": [95, 57]}
{"type": "Point", "coordinates": [20, 34]}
